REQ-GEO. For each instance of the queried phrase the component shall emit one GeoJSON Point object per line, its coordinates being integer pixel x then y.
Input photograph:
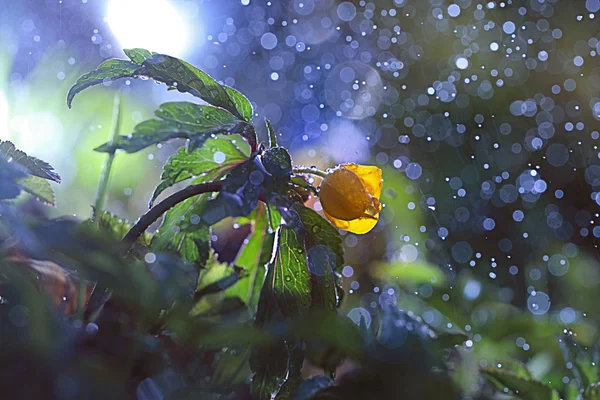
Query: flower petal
{"type": "Point", "coordinates": [359, 226]}
{"type": "Point", "coordinates": [370, 176]}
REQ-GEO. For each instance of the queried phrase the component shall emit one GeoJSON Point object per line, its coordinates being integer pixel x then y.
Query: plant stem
{"type": "Point", "coordinates": [105, 175]}
{"type": "Point", "coordinates": [311, 171]}
{"type": "Point", "coordinates": [155, 212]}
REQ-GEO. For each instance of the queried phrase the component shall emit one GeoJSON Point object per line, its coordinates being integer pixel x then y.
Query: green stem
{"type": "Point", "coordinates": [105, 175]}
{"type": "Point", "coordinates": [311, 171]}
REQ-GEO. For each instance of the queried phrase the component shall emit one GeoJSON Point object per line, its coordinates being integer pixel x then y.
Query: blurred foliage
{"type": "Point", "coordinates": [85, 313]}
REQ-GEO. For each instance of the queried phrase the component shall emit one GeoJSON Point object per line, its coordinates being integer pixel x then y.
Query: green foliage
{"type": "Point", "coordinates": [38, 187]}
{"type": "Point", "coordinates": [519, 382]}
{"type": "Point", "coordinates": [23, 172]}
{"type": "Point", "coordinates": [167, 317]}
{"type": "Point", "coordinates": [585, 369]}
{"type": "Point", "coordinates": [179, 120]}
{"type": "Point", "coordinates": [183, 232]}
{"type": "Point", "coordinates": [253, 257]}
{"type": "Point", "coordinates": [34, 166]}
{"type": "Point", "coordinates": [215, 157]}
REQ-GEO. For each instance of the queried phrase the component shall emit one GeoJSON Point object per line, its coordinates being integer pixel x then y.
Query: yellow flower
{"type": "Point", "coordinates": [350, 195]}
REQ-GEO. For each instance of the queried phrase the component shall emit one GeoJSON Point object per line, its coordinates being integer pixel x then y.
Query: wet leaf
{"type": "Point", "coordinates": [109, 70]}
{"type": "Point", "coordinates": [277, 162]}
{"type": "Point", "coordinates": [116, 227]}
{"type": "Point", "coordinates": [202, 122]}
{"type": "Point", "coordinates": [290, 284]}
{"type": "Point", "coordinates": [321, 232]}
{"type": "Point", "coordinates": [34, 166]}
{"type": "Point", "coordinates": [523, 388]}
{"type": "Point", "coordinates": [40, 188]}
{"type": "Point", "coordinates": [584, 367]}
{"type": "Point", "coordinates": [272, 134]}
{"type": "Point", "coordinates": [183, 232]}
{"type": "Point", "coordinates": [253, 257]}
{"type": "Point", "coordinates": [216, 156]}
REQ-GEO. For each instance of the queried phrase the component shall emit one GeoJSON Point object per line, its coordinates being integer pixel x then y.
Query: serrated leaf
{"type": "Point", "coordinates": [38, 187]}
{"type": "Point", "coordinates": [325, 255]}
{"type": "Point", "coordinates": [34, 166]}
{"type": "Point", "coordinates": [188, 79]}
{"type": "Point", "coordinates": [526, 389]}
{"type": "Point", "coordinates": [290, 284]}
{"type": "Point", "coordinates": [321, 232]}
{"type": "Point", "coordinates": [416, 272]}
{"type": "Point", "coordinates": [163, 68]}
{"type": "Point", "coordinates": [242, 104]}
{"type": "Point", "coordinates": [183, 232]}
{"type": "Point", "coordinates": [216, 156]}
{"type": "Point", "coordinates": [180, 120]}
{"type": "Point", "coordinates": [176, 74]}
{"type": "Point", "coordinates": [109, 70]}
{"type": "Point", "coordinates": [584, 367]}
{"type": "Point", "coordinates": [138, 55]}
{"type": "Point", "coordinates": [117, 227]}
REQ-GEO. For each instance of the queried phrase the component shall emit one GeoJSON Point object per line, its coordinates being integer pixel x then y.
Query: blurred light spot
{"type": "Point", "coordinates": [538, 303]}
{"type": "Point", "coordinates": [151, 24]}
{"type": "Point", "coordinates": [461, 62]}
{"type": "Point", "coordinates": [472, 289]}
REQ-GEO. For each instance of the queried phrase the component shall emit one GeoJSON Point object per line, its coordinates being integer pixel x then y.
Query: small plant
{"type": "Point", "coordinates": [175, 318]}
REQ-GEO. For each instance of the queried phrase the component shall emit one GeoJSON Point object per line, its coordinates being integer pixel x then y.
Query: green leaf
{"type": "Point", "coordinates": [584, 367]}
{"type": "Point", "coordinates": [183, 232]}
{"type": "Point", "coordinates": [516, 367]}
{"type": "Point", "coordinates": [216, 156]}
{"type": "Point", "coordinates": [272, 134]}
{"type": "Point", "coordinates": [38, 187]}
{"type": "Point", "coordinates": [217, 277]}
{"type": "Point", "coordinates": [290, 284]}
{"type": "Point", "coordinates": [321, 232]}
{"type": "Point", "coordinates": [138, 56]}
{"type": "Point", "coordinates": [177, 74]}
{"type": "Point", "coordinates": [33, 165]}
{"type": "Point", "coordinates": [108, 71]}
{"type": "Point", "coordinates": [242, 104]}
{"type": "Point", "coordinates": [169, 70]}
{"type": "Point", "coordinates": [416, 272]}
{"type": "Point", "coordinates": [526, 389]}
{"type": "Point", "coordinates": [325, 256]}
{"type": "Point", "coordinates": [253, 257]}
{"type": "Point", "coordinates": [179, 120]}
{"type": "Point", "coordinates": [274, 217]}
{"type": "Point", "coordinates": [118, 227]}
{"type": "Point", "coordinates": [188, 79]}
